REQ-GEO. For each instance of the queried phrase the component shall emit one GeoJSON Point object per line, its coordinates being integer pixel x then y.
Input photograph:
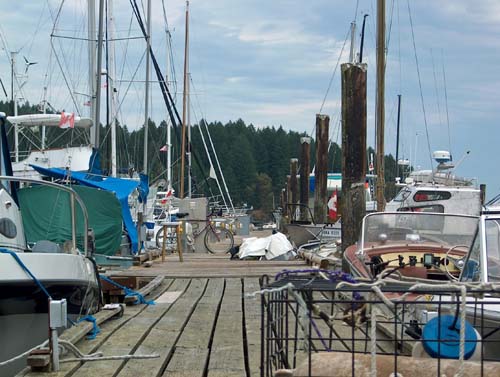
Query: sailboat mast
{"type": "Point", "coordinates": [397, 135]}
{"type": "Point", "coordinates": [13, 55]}
{"type": "Point", "coordinates": [111, 86]}
{"type": "Point", "coordinates": [92, 66]}
{"type": "Point", "coordinates": [184, 105]}
{"type": "Point", "coordinates": [169, 133]}
{"type": "Point", "coordinates": [97, 110]}
{"type": "Point", "coordinates": [380, 104]}
{"type": "Point", "coordinates": [146, 102]}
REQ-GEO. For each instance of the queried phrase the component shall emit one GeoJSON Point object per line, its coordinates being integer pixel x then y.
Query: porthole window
{"type": "Point", "coordinates": [8, 228]}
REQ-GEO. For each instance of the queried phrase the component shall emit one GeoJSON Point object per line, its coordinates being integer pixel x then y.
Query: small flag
{"type": "Point", "coordinates": [164, 148]}
{"type": "Point", "coordinates": [332, 206]}
{"type": "Point", "coordinates": [67, 120]}
{"type": "Point", "coordinates": [87, 103]}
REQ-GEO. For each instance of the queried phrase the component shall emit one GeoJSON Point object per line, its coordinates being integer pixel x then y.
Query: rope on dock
{"type": "Point", "coordinates": [15, 358]}
{"type": "Point", "coordinates": [129, 292]}
{"type": "Point", "coordinates": [97, 356]}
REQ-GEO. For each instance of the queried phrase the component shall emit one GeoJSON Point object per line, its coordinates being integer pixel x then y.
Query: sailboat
{"type": "Point", "coordinates": [29, 277]}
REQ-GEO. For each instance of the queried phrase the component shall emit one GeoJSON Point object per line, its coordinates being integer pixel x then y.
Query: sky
{"type": "Point", "coordinates": [273, 63]}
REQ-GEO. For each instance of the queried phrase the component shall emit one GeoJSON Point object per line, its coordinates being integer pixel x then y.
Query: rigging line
{"type": "Point", "coordinates": [169, 46]}
{"type": "Point", "coordinates": [131, 82]}
{"type": "Point", "coordinates": [167, 97]}
{"type": "Point", "coordinates": [420, 85]}
{"type": "Point", "coordinates": [388, 41]}
{"type": "Point", "coordinates": [125, 53]}
{"type": "Point", "coordinates": [436, 88]}
{"type": "Point", "coordinates": [35, 33]}
{"type": "Point", "coordinates": [356, 10]}
{"type": "Point", "coordinates": [334, 71]}
{"type": "Point", "coordinates": [446, 104]}
{"type": "Point", "coordinates": [59, 62]}
{"type": "Point", "coordinates": [87, 40]}
{"type": "Point", "coordinates": [216, 159]}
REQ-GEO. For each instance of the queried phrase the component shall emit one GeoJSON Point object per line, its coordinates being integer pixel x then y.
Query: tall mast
{"type": "Point", "coordinates": [146, 103]}
{"type": "Point", "coordinates": [169, 133]}
{"type": "Point", "coordinates": [380, 116]}
{"type": "Point", "coordinates": [92, 67]}
{"type": "Point", "coordinates": [397, 135]}
{"type": "Point", "coordinates": [184, 105]}
{"type": "Point", "coordinates": [111, 86]}
{"type": "Point", "coordinates": [13, 55]}
{"type": "Point", "coordinates": [97, 110]}
{"type": "Point", "coordinates": [189, 135]}
{"type": "Point", "coordinates": [353, 42]}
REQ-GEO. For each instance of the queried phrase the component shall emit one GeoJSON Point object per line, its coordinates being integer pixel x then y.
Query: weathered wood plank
{"type": "Point", "coordinates": [195, 337]}
{"type": "Point", "coordinates": [252, 324]}
{"type": "Point", "coordinates": [227, 347]}
{"type": "Point", "coordinates": [126, 339]}
{"type": "Point", "coordinates": [165, 334]}
{"type": "Point", "coordinates": [146, 289]}
{"type": "Point", "coordinates": [107, 328]}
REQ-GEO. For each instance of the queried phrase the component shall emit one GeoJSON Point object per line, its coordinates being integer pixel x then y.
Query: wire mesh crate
{"type": "Point", "coordinates": [324, 324]}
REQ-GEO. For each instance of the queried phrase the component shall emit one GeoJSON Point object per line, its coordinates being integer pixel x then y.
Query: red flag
{"type": "Point", "coordinates": [332, 206]}
{"type": "Point", "coordinates": [164, 148]}
{"type": "Point", "coordinates": [67, 120]}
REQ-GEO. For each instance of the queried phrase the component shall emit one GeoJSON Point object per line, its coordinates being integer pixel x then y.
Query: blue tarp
{"type": "Point", "coordinates": [122, 188]}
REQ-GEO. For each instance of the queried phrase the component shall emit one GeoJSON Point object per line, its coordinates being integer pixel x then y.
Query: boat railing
{"type": "Point", "coordinates": [74, 197]}
{"type": "Point", "coordinates": [317, 321]}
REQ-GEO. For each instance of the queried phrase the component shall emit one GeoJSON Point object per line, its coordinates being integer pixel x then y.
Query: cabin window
{"type": "Point", "coordinates": [436, 208]}
{"type": "Point", "coordinates": [427, 196]}
{"type": "Point", "coordinates": [8, 228]}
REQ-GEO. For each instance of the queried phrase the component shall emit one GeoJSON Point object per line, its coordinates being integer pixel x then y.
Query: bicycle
{"type": "Point", "coordinates": [217, 240]}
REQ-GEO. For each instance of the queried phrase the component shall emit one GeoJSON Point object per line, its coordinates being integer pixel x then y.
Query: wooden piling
{"type": "Point", "coordinates": [353, 202]}
{"type": "Point", "coordinates": [305, 161]}
{"type": "Point", "coordinates": [321, 170]}
{"type": "Point", "coordinates": [294, 196]}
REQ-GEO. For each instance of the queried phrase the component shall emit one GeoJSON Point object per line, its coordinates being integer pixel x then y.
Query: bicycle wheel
{"type": "Point", "coordinates": [171, 240]}
{"type": "Point", "coordinates": [218, 240]}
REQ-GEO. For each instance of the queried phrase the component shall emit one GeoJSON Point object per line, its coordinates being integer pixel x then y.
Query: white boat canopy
{"type": "Point", "coordinates": [50, 120]}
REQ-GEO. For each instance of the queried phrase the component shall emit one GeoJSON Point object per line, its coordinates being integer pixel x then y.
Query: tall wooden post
{"type": "Point", "coordinates": [305, 161]}
{"type": "Point", "coordinates": [321, 170]}
{"type": "Point", "coordinates": [353, 202]}
{"type": "Point", "coordinates": [380, 117]}
{"type": "Point", "coordinates": [294, 195]}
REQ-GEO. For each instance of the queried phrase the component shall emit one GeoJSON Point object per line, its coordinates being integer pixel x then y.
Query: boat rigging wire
{"type": "Point", "coordinates": [446, 104]}
{"type": "Point", "coordinates": [420, 86]}
{"type": "Point", "coordinates": [436, 88]}
{"type": "Point", "coordinates": [334, 72]}
{"type": "Point", "coordinates": [53, 35]}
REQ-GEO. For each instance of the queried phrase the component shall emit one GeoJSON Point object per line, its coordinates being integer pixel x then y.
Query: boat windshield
{"type": "Point", "coordinates": [418, 227]}
{"type": "Point", "coordinates": [491, 250]}
{"type": "Point", "coordinates": [403, 194]}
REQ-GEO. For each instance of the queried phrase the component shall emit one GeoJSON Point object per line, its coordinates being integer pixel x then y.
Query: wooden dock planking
{"type": "Point", "coordinates": [107, 329]}
{"type": "Point", "coordinates": [227, 353]}
{"type": "Point", "coordinates": [124, 340]}
{"type": "Point", "coordinates": [163, 337]}
{"type": "Point", "coordinates": [197, 333]}
{"type": "Point", "coordinates": [252, 324]}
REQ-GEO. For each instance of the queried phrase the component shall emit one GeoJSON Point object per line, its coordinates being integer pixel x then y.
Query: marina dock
{"type": "Point", "coordinates": [202, 323]}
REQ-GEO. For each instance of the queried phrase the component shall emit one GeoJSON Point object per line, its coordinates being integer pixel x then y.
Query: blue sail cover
{"type": "Point", "coordinates": [122, 188]}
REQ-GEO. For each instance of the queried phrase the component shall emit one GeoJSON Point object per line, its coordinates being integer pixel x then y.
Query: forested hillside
{"type": "Point", "coordinates": [255, 161]}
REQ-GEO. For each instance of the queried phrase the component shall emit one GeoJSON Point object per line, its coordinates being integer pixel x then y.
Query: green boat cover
{"type": "Point", "coordinates": [46, 215]}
